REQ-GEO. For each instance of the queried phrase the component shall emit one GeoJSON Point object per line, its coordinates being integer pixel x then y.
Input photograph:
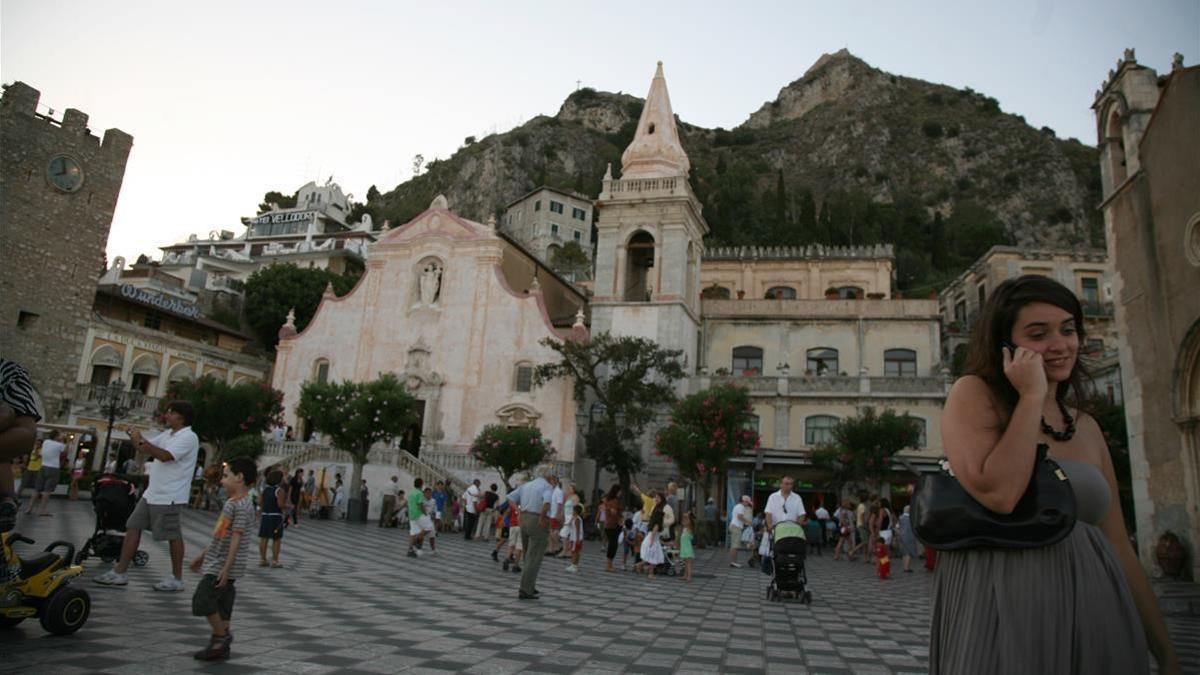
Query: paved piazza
{"type": "Point", "coordinates": [347, 600]}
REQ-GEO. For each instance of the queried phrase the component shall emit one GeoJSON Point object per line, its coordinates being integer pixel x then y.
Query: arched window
{"type": "Point", "coordinates": [1115, 137]}
{"type": "Point", "coordinates": [900, 363]}
{"type": "Point", "coordinates": [106, 363]}
{"type": "Point", "coordinates": [818, 429]}
{"type": "Point", "coordinates": [180, 372]}
{"type": "Point", "coordinates": [321, 371]}
{"type": "Point", "coordinates": [822, 361]}
{"type": "Point", "coordinates": [144, 374]}
{"type": "Point", "coordinates": [850, 293]}
{"type": "Point", "coordinates": [639, 260]}
{"type": "Point", "coordinates": [780, 293]}
{"type": "Point", "coordinates": [747, 361]}
{"type": "Point", "coordinates": [715, 292]}
{"type": "Point", "coordinates": [523, 377]}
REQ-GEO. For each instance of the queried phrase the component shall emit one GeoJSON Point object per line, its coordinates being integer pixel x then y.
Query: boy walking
{"type": "Point", "coordinates": [223, 561]}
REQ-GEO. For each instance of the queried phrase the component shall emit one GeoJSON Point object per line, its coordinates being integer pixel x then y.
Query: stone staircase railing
{"type": "Point", "coordinates": [297, 453]}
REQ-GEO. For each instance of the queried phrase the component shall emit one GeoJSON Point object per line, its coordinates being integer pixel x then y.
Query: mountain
{"type": "Point", "coordinates": [847, 154]}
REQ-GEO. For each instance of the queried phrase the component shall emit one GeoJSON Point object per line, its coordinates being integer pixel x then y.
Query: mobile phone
{"type": "Point", "coordinates": [1011, 347]}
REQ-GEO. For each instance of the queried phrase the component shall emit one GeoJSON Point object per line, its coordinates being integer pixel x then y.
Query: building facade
{"type": "Point", "coordinates": [546, 219]}
{"type": "Point", "coordinates": [58, 183]}
{"type": "Point", "coordinates": [1148, 131]}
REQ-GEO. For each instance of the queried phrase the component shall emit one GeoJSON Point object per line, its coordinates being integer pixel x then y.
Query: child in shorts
{"type": "Point", "coordinates": [223, 561]}
{"type": "Point", "coordinates": [516, 548]}
{"type": "Point", "coordinates": [574, 542]}
{"type": "Point", "coordinates": [431, 511]}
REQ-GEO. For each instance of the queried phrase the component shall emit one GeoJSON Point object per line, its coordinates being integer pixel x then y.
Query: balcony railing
{"type": "Point", "coordinates": [89, 396]}
{"type": "Point", "coordinates": [1097, 308]}
{"type": "Point", "coordinates": [823, 384]}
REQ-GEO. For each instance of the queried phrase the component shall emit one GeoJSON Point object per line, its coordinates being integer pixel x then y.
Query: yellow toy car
{"type": "Point", "coordinates": [41, 586]}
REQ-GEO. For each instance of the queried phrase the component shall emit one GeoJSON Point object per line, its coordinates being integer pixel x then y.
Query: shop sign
{"type": "Point", "coordinates": [161, 301]}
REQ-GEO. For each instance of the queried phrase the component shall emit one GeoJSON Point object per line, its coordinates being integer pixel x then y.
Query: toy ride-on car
{"type": "Point", "coordinates": [40, 585]}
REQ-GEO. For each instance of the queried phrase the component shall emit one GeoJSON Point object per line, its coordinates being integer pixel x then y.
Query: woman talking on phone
{"type": "Point", "coordinates": [1081, 604]}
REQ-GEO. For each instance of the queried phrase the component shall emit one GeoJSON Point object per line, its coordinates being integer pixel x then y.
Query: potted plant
{"type": "Point", "coordinates": [831, 293]}
{"type": "Point", "coordinates": [1171, 554]}
{"type": "Point", "coordinates": [741, 294]}
{"type": "Point", "coordinates": [875, 296]}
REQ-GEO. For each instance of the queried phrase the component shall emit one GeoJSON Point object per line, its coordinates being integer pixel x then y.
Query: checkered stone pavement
{"type": "Point", "coordinates": [347, 600]}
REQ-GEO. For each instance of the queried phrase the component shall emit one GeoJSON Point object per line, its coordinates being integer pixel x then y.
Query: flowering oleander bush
{"type": "Point", "coordinates": [708, 429]}
{"type": "Point", "coordinates": [511, 450]}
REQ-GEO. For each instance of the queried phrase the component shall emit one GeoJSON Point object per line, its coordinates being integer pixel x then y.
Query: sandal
{"type": "Point", "coordinates": [217, 649]}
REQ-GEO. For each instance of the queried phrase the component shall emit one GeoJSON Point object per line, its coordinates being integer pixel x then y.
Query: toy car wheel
{"type": "Point", "coordinates": [807, 598]}
{"type": "Point", "coordinates": [66, 611]}
{"type": "Point", "coordinates": [141, 558]}
{"type": "Point", "coordinates": [10, 621]}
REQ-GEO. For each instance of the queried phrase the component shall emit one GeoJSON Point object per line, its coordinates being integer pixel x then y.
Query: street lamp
{"type": "Point", "coordinates": [113, 404]}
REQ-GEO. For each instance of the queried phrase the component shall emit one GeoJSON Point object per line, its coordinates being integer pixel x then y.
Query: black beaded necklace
{"type": "Point", "coordinates": [1066, 434]}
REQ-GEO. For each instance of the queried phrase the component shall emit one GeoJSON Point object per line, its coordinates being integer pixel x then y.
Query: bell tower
{"type": "Point", "coordinates": [650, 236]}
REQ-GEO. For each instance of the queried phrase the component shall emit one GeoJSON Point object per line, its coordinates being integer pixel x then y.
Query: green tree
{"type": "Point", "coordinates": [707, 430]}
{"type": "Point", "coordinates": [357, 415]}
{"type": "Point", "coordinates": [937, 240]}
{"type": "Point", "coordinates": [226, 412]}
{"type": "Point", "coordinates": [571, 261]}
{"type": "Point", "coordinates": [510, 450]}
{"type": "Point", "coordinates": [862, 447]}
{"type": "Point", "coordinates": [274, 290]}
{"type": "Point", "coordinates": [806, 218]}
{"type": "Point", "coordinates": [279, 199]}
{"type": "Point", "coordinates": [247, 445]}
{"type": "Point", "coordinates": [631, 377]}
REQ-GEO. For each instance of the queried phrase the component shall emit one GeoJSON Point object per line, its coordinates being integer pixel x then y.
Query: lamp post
{"type": "Point", "coordinates": [111, 398]}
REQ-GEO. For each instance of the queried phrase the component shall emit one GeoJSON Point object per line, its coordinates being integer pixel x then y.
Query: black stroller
{"type": "Point", "coordinates": [787, 556]}
{"type": "Point", "coordinates": [113, 500]}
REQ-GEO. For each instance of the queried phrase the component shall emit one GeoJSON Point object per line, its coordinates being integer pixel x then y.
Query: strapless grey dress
{"type": "Point", "coordinates": [1058, 609]}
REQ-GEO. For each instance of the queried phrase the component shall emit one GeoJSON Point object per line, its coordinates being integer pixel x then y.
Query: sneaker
{"type": "Point", "coordinates": [412, 553]}
{"type": "Point", "coordinates": [572, 568]}
{"type": "Point", "coordinates": [516, 568]}
{"type": "Point", "coordinates": [735, 564]}
{"type": "Point", "coordinates": [495, 555]}
{"type": "Point", "coordinates": [111, 578]}
{"type": "Point", "coordinates": [170, 585]}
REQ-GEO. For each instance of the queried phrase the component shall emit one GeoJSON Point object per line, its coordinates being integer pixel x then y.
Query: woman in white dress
{"type": "Point", "coordinates": [652, 552]}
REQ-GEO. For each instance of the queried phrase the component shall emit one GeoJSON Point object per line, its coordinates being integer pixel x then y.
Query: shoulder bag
{"type": "Point", "coordinates": [947, 518]}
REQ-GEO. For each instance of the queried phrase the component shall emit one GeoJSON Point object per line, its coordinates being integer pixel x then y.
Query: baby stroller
{"type": "Point", "coordinates": [789, 577]}
{"type": "Point", "coordinates": [672, 564]}
{"type": "Point", "coordinates": [113, 500]}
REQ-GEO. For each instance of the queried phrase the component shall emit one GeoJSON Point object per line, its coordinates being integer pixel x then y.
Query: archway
{"type": "Point", "coordinates": [639, 260]}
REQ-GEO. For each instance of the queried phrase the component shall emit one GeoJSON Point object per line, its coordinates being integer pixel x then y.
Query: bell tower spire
{"type": "Point", "coordinates": [655, 151]}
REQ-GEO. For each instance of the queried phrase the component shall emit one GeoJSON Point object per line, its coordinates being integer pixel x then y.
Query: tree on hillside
{"type": "Point", "coordinates": [632, 378]}
{"type": "Point", "coordinates": [510, 450]}
{"type": "Point", "coordinates": [571, 261]}
{"type": "Point", "coordinates": [357, 415]}
{"type": "Point", "coordinates": [274, 290]}
{"type": "Point", "coordinates": [279, 199]}
{"type": "Point", "coordinates": [226, 412]}
{"type": "Point", "coordinates": [707, 429]}
{"type": "Point", "coordinates": [862, 447]}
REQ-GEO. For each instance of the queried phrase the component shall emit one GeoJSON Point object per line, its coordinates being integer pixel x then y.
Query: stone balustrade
{"type": "Point", "coordinates": [825, 385]}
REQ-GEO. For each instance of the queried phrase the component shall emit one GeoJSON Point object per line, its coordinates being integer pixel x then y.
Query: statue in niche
{"type": "Point", "coordinates": [430, 283]}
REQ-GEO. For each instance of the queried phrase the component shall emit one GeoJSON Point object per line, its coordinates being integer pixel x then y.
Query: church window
{"type": "Point", "coordinates": [822, 361]}
{"type": "Point", "coordinates": [781, 293]}
{"type": "Point", "coordinates": [639, 260]}
{"type": "Point", "coordinates": [747, 361]}
{"type": "Point", "coordinates": [524, 378]}
{"type": "Point", "coordinates": [715, 292]}
{"type": "Point", "coordinates": [321, 371]}
{"type": "Point", "coordinates": [900, 363]}
{"type": "Point", "coordinates": [556, 207]}
{"type": "Point", "coordinates": [818, 429]}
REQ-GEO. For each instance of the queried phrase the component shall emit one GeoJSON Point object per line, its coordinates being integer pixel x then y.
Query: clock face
{"type": "Point", "coordinates": [64, 173]}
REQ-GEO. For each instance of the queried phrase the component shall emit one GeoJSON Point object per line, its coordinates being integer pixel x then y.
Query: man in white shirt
{"type": "Point", "coordinates": [387, 514]}
{"type": "Point", "coordinates": [784, 505]}
{"type": "Point", "coordinates": [739, 519]}
{"type": "Point", "coordinates": [47, 478]}
{"type": "Point", "coordinates": [826, 524]}
{"type": "Point", "coordinates": [471, 509]}
{"type": "Point", "coordinates": [160, 508]}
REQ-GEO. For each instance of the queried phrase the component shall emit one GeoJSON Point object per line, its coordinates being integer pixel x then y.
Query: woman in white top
{"type": "Point", "coordinates": [570, 501]}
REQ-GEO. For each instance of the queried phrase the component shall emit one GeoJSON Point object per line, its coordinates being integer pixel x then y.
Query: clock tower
{"type": "Point", "coordinates": [58, 190]}
{"type": "Point", "coordinates": [650, 231]}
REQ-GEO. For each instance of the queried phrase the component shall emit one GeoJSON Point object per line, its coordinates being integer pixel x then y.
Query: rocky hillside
{"type": "Point", "coordinates": [845, 154]}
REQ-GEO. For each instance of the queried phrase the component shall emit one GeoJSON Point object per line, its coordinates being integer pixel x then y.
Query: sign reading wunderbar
{"type": "Point", "coordinates": [161, 301]}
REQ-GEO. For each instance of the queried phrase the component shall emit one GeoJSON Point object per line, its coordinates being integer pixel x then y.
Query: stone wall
{"type": "Point", "coordinates": [53, 242]}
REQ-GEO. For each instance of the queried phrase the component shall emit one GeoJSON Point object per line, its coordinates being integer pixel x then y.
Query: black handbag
{"type": "Point", "coordinates": [948, 518]}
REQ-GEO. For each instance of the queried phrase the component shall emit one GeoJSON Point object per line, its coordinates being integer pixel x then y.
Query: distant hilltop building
{"type": "Point", "coordinates": [59, 185]}
{"type": "Point", "coordinates": [315, 233]}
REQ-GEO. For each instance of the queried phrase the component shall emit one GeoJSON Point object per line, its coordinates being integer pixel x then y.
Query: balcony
{"type": "Point", "coordinates": [825, 386]}
{"type": "Point", "coordinates": [1097, 309]}
{"type": "Point", "coordinates": [88, 397]}
{"type": "Point", "coordinates": [747, 308]}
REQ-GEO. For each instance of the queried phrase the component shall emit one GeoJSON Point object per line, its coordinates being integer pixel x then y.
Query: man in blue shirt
{"type": "Point", "coordinates": [534, 499]}
{"type": "Point", "coordinates": [441, 497]}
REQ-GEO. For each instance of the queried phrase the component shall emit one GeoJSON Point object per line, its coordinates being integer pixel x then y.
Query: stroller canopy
{"type": "Point", "coordinates": [788, 529]}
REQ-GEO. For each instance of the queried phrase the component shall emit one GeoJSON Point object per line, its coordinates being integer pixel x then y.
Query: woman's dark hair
{"type": "Point", "coordinates": [274, 476]}
{"type": "Point", "coordinates": [985, 359]}
{"type": "Point", "coordinates": [656, 516]}
{"type": "Point", "coordinates": [614, 492]}
{"type": "Point", "coordinates": [885, 504]}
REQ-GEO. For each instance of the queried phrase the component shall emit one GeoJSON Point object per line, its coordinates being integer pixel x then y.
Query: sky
{"type": "Point", "coordinates": [227, 100]}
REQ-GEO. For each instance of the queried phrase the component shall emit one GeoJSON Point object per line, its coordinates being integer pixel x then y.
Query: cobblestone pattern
{"type": "Point", "coordinates": [348, 601]}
